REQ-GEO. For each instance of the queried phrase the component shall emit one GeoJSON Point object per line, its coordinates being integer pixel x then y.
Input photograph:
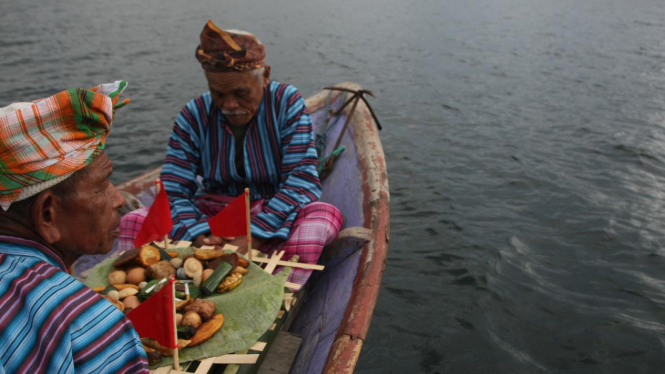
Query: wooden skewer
{"type": "Point", "coordinates": [291, 264]}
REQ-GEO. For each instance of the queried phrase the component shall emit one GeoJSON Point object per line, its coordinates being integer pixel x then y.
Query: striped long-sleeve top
{"type": "Point", "coordinates": [51, 323]}
{"type": "Point", "coordinates": [279, 162]}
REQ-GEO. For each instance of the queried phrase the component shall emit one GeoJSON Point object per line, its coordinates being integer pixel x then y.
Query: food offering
{"type": "Point", "coordinates": [210, 295]}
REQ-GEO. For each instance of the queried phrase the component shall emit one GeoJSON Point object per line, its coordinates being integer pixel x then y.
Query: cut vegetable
{"type": "Point", "coordinates": [209, 286]}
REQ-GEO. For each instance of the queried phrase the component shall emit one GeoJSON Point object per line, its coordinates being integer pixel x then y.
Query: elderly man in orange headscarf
{"type": "Point", "coordinates": [246, 132]}
{"type": "Point", "coordinates": [56, 204]}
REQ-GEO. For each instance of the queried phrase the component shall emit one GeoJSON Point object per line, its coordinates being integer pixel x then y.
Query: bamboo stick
{"type": "Point", "coordinates": [166, 237]}
{"type": "Point", "coordinates": [272, 264]}
{"type": "Point", "coordinates": [237, 359]}
{"type": "Point", "coordinates": [249, 225]}
{"type": "Point", "coordinates": [258, 346]}
{"type": "Point", "coordinates": [293, 286]}
{"type": "Point", "coordinates": [176, 363]}
{"type": "Point", "coordinates": [291, 264]}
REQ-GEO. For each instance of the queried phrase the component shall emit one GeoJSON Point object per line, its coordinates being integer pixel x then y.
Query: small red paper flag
{"type": "Point", "coordinates": [157, 223]}
{"type": "Point", "coordinates": [154, 318]}
{"type": "Point", "coordinates": [232, 220]}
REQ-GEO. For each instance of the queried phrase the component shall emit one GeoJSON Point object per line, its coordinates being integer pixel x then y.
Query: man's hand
{"type": "Point", "coordinates": [212, 240]}
{"type": "Point", "coordinates": [218, 240]}
{"type": "Point", "coordinates": [258, 242]}
{"type": "Point", "coordinates": [238, 241]}
{"type": "Point", "coordinates": [241, 243]}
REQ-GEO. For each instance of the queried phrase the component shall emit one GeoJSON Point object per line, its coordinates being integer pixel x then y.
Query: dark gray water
{"type": "Point", "coordinates": [524, 139]}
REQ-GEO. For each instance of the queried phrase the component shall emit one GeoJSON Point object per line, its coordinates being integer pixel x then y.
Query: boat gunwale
{"type": "Point", "coordinates": [351, 334]}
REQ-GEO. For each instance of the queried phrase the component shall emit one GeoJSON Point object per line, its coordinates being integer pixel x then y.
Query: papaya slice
{"type": "Point", "coordinates": [149, 255]}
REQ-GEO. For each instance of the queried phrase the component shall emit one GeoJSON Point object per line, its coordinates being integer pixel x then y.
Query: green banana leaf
{"type": "Point", "coordinates": [249, 310]}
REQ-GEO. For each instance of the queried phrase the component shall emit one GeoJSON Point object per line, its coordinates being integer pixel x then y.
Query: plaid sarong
{"type": "Point", "coordinates": [315, 226]}
{"type": "Point", "coordinates": [51, 138]}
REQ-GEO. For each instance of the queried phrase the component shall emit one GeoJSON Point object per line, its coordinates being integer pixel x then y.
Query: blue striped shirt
{"type": "Point", "coordinates": [279, 161]}
{"type": "Point", "coordinates": [51, 323]}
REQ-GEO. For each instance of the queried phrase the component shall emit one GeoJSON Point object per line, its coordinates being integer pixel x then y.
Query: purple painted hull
{"type": "Point", "coordinates": [335, 314]}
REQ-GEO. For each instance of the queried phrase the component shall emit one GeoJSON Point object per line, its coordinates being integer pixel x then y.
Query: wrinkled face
{"type": "Point", "coordinates": [237, 94]}
{"type": "Point", "coordinates": [89, 219]}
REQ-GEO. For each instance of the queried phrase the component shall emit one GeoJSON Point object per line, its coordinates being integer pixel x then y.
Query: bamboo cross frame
{"type": "Point", "coordinates": [242, 357]}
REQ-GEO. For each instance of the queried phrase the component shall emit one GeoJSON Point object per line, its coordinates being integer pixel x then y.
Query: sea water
{"type": "Point", "coordinates": [524, 140]}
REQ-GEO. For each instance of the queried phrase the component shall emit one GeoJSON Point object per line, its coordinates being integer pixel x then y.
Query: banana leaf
{"type": "Point", "coordinates": [248, 310]}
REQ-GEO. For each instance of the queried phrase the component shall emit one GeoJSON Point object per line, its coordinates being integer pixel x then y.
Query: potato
{"type": "Point", "coordinates": [176, 263]}
{"type": "Point", "coordinates": [197, 279]}
{"type": "Point", "coordinates": [117, 277]}
{"type": "Point", "coordinates": [131, 302]}
{"type": "Point", "coordinates": [136, 275]}
{"type": "Point", "coordinates": [113, 295]}
{"type": "Point", "coordinates": [160, 270]}
{"type": "Point", "coordinates": [206, 274]}
{"type": "Point", "coordinates": [191, 319]}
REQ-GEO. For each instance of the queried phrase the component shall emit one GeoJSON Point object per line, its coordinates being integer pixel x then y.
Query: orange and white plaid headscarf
{"type": "Point", "coordinates": [45, 141]}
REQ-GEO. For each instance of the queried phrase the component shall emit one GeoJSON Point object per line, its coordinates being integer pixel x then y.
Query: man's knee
{"type": "Point", "coordinates": [320, 209]}
{"type": "Point", "coordinates": [323, 215]}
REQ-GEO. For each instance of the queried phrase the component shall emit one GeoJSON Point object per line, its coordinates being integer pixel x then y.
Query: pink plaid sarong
{"type": "Point", "coordinates": [315, 226]}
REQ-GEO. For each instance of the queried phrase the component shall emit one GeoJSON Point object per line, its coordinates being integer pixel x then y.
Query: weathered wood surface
{"type": "Point", "coordinates": [353, 330]}
{"type": "Point", "coordinates": [281, 355]}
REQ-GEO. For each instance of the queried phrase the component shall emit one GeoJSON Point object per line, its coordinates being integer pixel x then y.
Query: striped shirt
{"type": "Point", "coordinates": [51, 323]}
{"type": "Point", "coordinates": [279, 162]}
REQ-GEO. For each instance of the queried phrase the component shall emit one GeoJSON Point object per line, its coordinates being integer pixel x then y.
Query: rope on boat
{"type": "Point", "coordinates": [325, 164]}
{"type": "Point", "coordinates": [322, 137]}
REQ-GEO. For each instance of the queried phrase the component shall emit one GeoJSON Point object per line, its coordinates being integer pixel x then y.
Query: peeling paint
{"type": "Point", "coordinates": [345, 351]}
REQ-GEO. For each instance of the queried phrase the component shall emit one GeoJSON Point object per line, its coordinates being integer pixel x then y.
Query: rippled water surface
{"type": "Point", "coordinates": [524, 142]}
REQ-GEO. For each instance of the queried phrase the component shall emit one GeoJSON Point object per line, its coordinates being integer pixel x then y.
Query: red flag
{"type": "Point", "coordinates": [232, 220]}
{"type": "Point", "coordinates": [154, 318]}
{"type": "Point", "coordinates": [157, 223]}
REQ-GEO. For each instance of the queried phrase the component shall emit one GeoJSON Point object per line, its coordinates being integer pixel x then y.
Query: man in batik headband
{"type": "Point", "coordinates": [56, 204]}
{"type": "Point", "coordinates": [247, 131]}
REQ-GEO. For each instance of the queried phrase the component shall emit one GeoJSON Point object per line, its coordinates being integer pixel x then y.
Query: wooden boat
{"type": "Point", "coordinates": [335, 308]}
